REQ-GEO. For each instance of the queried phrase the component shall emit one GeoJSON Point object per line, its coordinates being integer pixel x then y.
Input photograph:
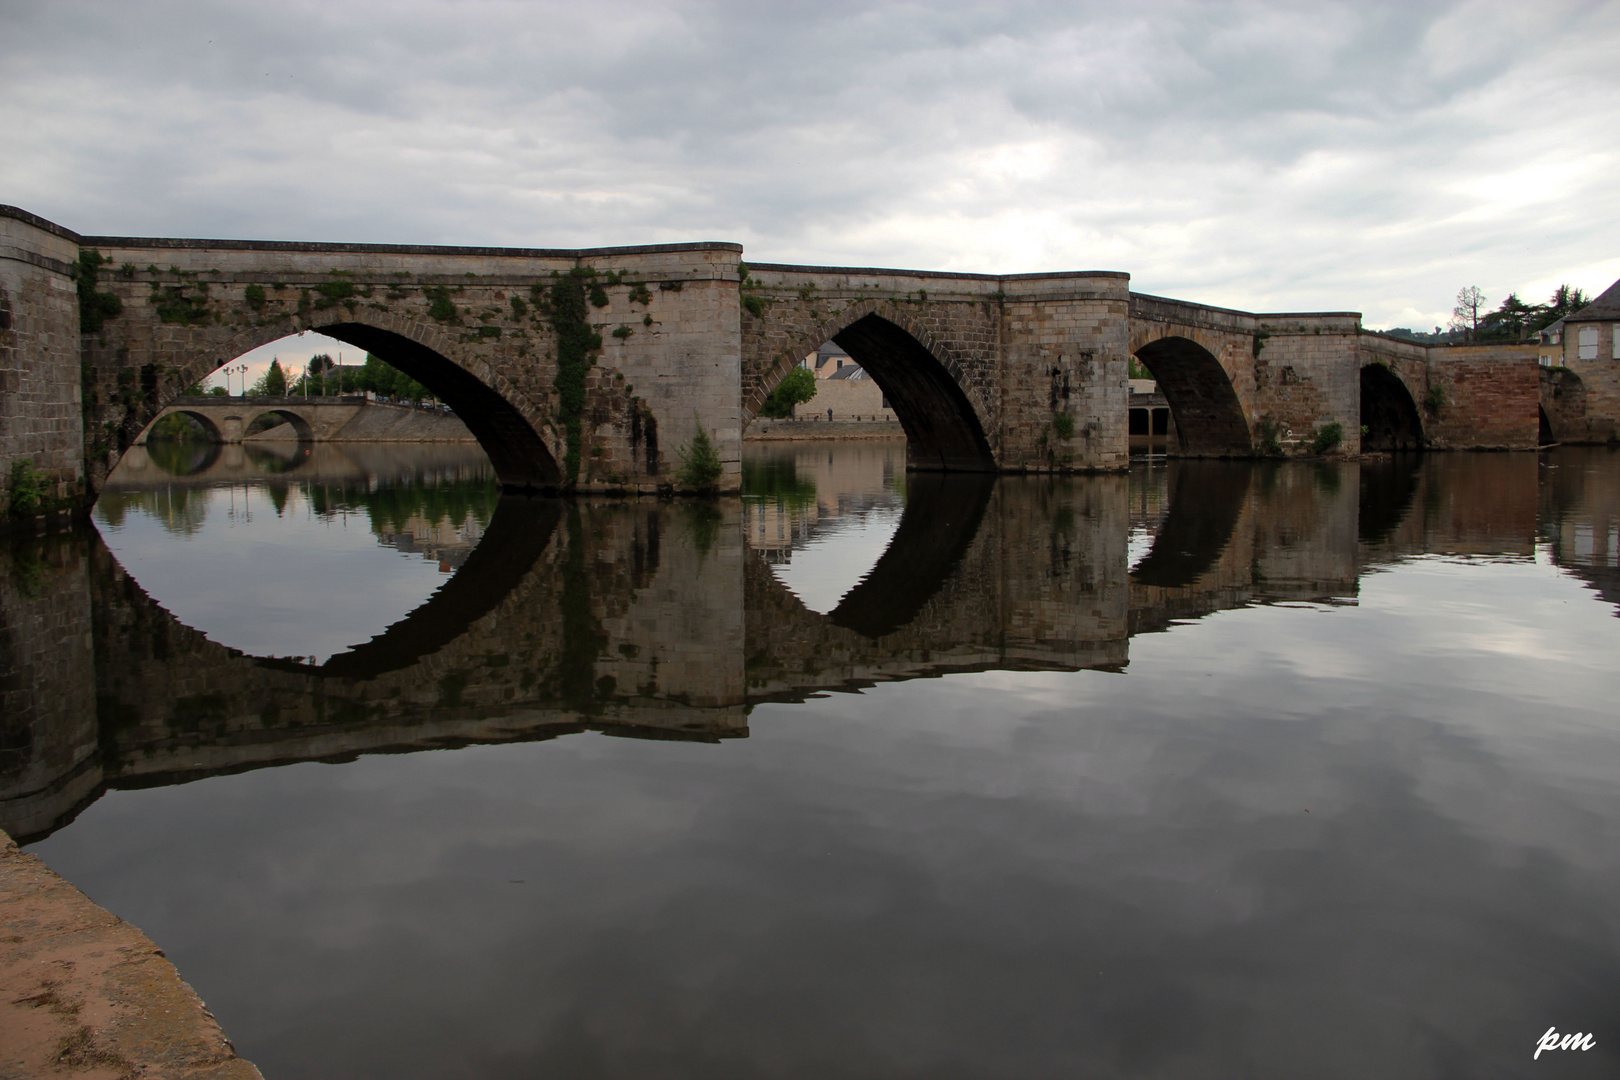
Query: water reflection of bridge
{"type": "Point", "coordinates": [658, 621]}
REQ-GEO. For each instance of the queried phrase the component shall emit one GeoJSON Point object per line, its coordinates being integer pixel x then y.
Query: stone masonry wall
{"type": "Point", "coordinates": [192, 306]}
{"type": "Point", "coordinates": [1065, 344]}
{"type": "Point", "coordinates": [847, 398]}
{"type": "Point", "coordinates": [39, 352]}
{"type": "Point", "coordinates": [1489, 395]}
{"type": "Point", "coordinates": [1307, 377]}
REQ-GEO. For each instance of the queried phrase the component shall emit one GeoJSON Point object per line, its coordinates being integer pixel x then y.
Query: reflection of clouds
{"type": "Point", "coordinates": [997, 874]}
{"type": "Point", "coordinates": [834, 558]}
{"type": "Point", "coordinates": [270, 579]}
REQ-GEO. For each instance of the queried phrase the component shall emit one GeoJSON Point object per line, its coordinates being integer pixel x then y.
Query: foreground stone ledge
{"type": "Point", "coordinates": [84, 994]}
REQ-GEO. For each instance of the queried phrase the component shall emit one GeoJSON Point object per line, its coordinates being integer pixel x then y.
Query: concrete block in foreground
{"type": "Point", "coordinates": [85, 994]}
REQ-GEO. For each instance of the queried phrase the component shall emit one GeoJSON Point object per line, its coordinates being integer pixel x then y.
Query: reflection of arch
{"type": "Point", "coordinates": [1387, 487]}
{"type": "Point", "coordinates": [299, 424]}
{"type": "Point", "coordinates": [941, 519]}
{"type": "Point", "coordinates": [1206, 498]}
{"type": "Point", "coordinates": [273, 461]}
{"type": "Point", "coordinates": [513, 430]}
{"type": "Point", "coordinates": [517, 534]}
{"type": "Point", "coordinates": [1208, 415]}
{"type": "Point", "coordinates": [1389, 416]}
{"type": "Point", "coordinates": [183, 458]}
{"type": "Point", "coordinates": [943, 415]}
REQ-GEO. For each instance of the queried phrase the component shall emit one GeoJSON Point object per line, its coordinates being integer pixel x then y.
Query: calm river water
{"type": "Point", "coordinates": [1212, 770]}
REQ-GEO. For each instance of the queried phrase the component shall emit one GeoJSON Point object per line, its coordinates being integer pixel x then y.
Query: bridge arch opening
{"type": "Point", "coordinates": [1544, 429]}
{"type": "Point", "coordinates": [519, 453]}
{"type": "Point", "coordinates": [183, 425]}
{"type": "Point", "coordinates": [493, 412]}
{"type": "Point", "coordinates": [270, 420]}
{"type": "Point", "coordinates": [1389, 416]}
{"type": "Point", "coordinates": [1204, 406]}
{"type": "Point", "coordinates": [943, 429]}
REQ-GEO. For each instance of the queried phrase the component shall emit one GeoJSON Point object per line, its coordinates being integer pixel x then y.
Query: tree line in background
{"type": "Point", "coordinates": [323, 377]}
{"type": "Point", "coordinates": [1513, 320]}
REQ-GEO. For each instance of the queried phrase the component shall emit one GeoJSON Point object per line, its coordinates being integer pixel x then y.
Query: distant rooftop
{"type": "Point", "coordinates": [1603, 309]}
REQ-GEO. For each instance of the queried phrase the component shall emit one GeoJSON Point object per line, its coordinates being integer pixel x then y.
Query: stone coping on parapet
{"type": "Point", "coordinates": [186, 244]}
{"type": "Point", "coordinates": [19, 214]}
{"type": "Point", "coordinates": [889, 271]}
{"type": "Point", "coordinates": [82, 991]}
{"type": "Point", "coordinates": [1257, 315]}
{"type": "Point", "coordinates": [200, 244]}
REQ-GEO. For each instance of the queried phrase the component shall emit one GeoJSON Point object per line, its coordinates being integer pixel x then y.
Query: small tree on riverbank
{"type": "Point", "coordinates": [798, 387]}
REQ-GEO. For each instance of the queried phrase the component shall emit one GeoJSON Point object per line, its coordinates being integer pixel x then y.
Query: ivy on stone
{"type": "Point", "coordinates": [95, 308]}
{"type": "Point", "coordinates": [576, 344]}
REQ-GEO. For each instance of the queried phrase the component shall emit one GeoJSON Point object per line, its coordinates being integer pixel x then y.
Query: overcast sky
{"type": "Point", "coordinates": [1266, 156]}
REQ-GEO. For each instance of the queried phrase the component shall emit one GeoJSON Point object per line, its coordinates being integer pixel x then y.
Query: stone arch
{"type": "Point", "coordinates": [1389, 417]}
{"type": "Point", "coordinates": [513, 428]}
{"type": "Point", "coordinates": [291, 416]}
{"type": "Point", "coordinates": [1209, 415]}
{"type": "Point", "coordinates": [943, 414]}
{"type": "Point", "coordinates": [205, 421]}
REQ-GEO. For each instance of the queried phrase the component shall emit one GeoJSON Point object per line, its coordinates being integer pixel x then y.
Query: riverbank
{"type": "Point", "coordinates": [763, 429]}
{"type": "Point", "coordinates": [378, 422]}
{"type": "Point", "coordinates": [84, 992]}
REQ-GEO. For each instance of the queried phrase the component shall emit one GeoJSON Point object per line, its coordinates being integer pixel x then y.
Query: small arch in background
{"type": "Point", "coordinates": [276, 418]}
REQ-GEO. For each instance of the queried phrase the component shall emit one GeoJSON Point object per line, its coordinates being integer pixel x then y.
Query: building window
{"type": "Point", "coordinates": [1588, 343]}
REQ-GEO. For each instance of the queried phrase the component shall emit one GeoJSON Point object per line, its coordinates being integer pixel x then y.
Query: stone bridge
{"type": "Point", "coordinates": [591, 369]}
{"type": "Point", "coordinates": [227, 419]}
{"type": "Point", "coordinates": [657, 621]}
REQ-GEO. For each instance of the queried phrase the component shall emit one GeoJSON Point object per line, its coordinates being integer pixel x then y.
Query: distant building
{"type": "Point", "coordinates": [1591, 351]}
{"type": "Point", "coordinates": [828, 360]}
{"type": "Point", "coordinates": [843, 386]}
{"type": "Point", "coordinates": [1550, 339]}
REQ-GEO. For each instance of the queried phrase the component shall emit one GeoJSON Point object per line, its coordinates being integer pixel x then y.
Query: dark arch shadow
{"type": "Point", "coordinates": [1387, 487]}
{"type": "Point", "coordinates": [1206, 498]}
{"type": "Point", "coordinates": [515, 448]}
{"type": "Point", "coordinates": [1209, 417]}
{"type": "Point", "coordinates": [299, 424]}
{"type": "Point", "coordinates": [942, 430]}
{"type": "Point", "coordinates": [518, 533]}
{"type": "Point", "coordinates": [1389, 416]}
{"type": "Point", "coordinates": [1544, 432]}
{"type": "Point", "coordinates": [267, 460]}
{"type": "Point", "coordinates": [941, 518]}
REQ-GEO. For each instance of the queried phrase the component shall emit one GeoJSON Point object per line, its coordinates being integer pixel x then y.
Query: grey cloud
{"type": "Point", "coordinates": [1274, 155]}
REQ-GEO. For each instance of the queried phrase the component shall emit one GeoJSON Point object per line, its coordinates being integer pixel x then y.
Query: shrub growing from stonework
{"type": "Point", "coordinates": [700, 462]}
{"type": "Point", "coordinates": [797, 388]}
{"type": "Point", "coordinates": [1327, 439]}
{"type": "Point", "coordinates": [26, 491]}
